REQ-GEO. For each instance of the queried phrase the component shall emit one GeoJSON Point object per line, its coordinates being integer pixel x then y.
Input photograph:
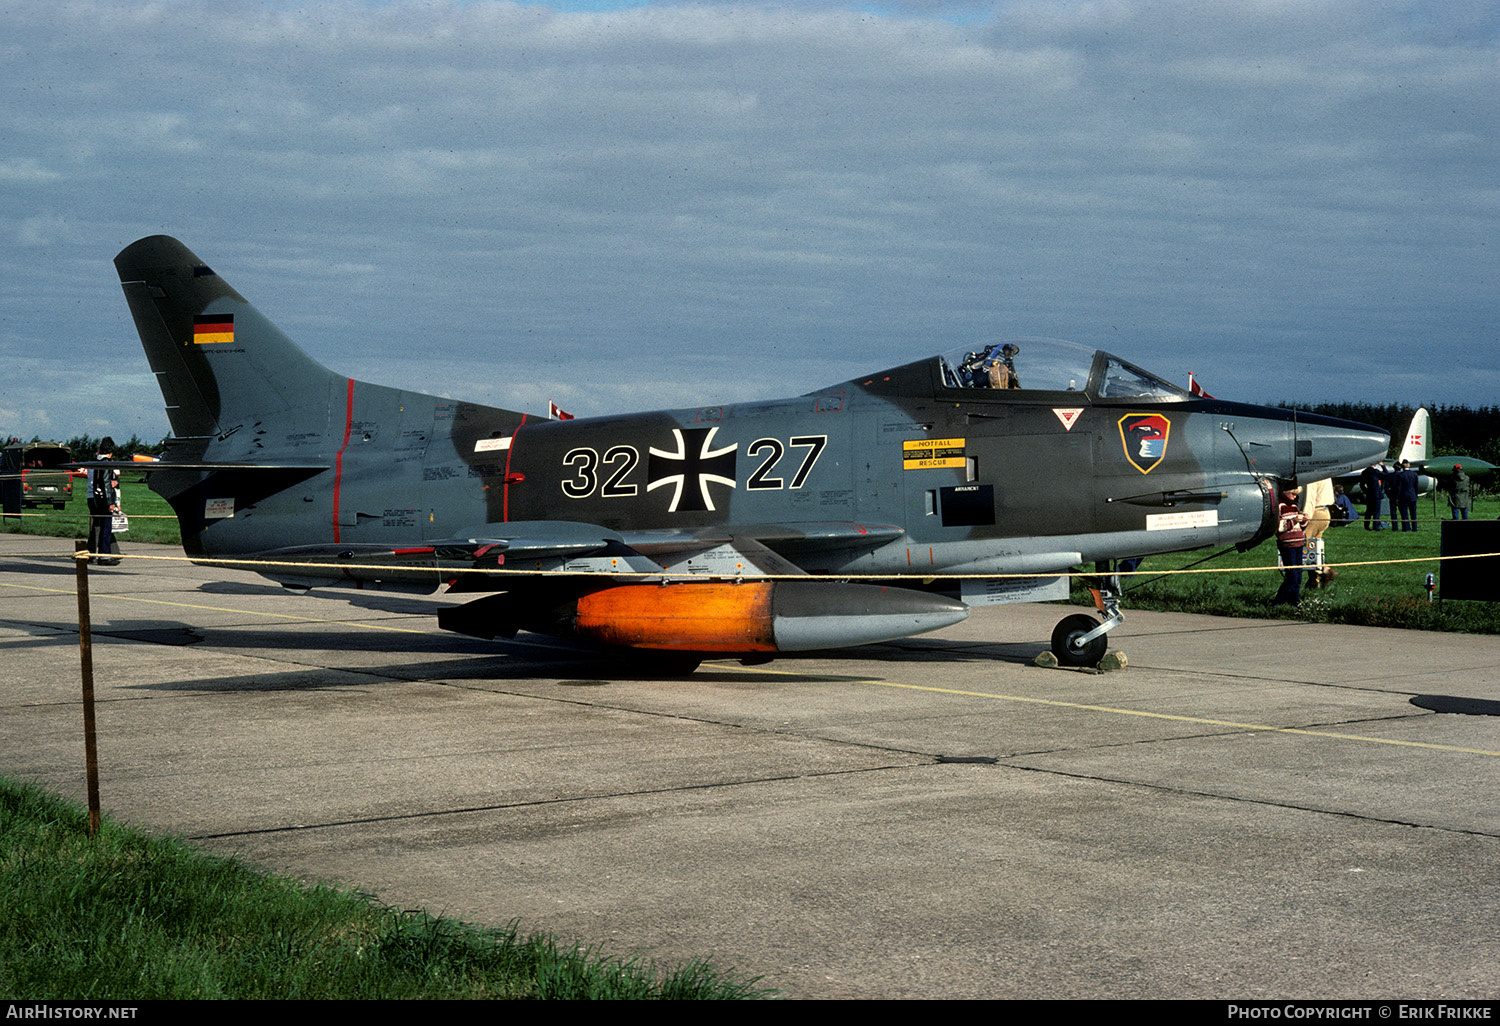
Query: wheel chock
{"type": "Point", "coordinates": [1111, 661]}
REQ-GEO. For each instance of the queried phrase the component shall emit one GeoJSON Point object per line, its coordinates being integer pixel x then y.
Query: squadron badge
{"type": "Point", "coordinates": [1144, 436]}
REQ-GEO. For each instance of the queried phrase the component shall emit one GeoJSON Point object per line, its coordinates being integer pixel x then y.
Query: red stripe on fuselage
{"type": "Point", "coordinates": [338, 461]}
{"type": "Point", "coordinates": [505, 495]}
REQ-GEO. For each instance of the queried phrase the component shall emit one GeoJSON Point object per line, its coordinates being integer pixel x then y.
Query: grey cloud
{"type": "Point", "coordinates": [664, 204]}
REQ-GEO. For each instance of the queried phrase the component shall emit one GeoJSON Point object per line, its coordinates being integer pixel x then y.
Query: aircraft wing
{"type": "Point", "coordinates": [752, 550]}
{"type": "Point", "coordinates": [486, 557]}
{"type": "Point", "coordinates": [590, 582]}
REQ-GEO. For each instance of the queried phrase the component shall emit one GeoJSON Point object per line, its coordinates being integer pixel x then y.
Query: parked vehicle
{"type": "Point", "coordinates": [31, 475]}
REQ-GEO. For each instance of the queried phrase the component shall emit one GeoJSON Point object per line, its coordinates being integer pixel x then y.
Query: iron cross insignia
{"type": "Point", "coordinates": [691, 469]}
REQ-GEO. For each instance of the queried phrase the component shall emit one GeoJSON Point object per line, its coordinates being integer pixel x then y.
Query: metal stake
{"type": "Point", "coordinates": [86, 659]}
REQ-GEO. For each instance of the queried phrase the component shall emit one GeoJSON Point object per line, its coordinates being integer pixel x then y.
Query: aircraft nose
{"type": "Point", "coordinates": [1327, 447]}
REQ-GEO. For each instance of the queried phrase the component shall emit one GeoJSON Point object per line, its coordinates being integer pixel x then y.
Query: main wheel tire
{"type": "Point", "coordinates": [659, 665]}
{"type": "Point", "coordinates": [1065, 641]}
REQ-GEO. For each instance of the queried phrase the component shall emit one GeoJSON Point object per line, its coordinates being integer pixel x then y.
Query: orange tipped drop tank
{"type": "Point", "coordinates": [707, 617]}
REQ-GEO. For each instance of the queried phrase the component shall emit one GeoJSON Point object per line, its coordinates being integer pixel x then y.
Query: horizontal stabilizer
{"type": "Point", "coordinates": [153, 466]}
{"type": "Point", "coordinates": [376, 567]}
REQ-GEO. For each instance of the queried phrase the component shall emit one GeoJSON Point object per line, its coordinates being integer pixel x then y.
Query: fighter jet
{"type": "Point", "coordinates": [871, 509]}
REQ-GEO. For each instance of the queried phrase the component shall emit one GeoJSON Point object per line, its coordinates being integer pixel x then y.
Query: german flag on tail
{"type": "Point", "coordinates": [212, 329]}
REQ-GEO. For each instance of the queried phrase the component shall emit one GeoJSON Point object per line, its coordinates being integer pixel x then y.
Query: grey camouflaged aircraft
{"type": "Point", "coordinates": [735, 530]}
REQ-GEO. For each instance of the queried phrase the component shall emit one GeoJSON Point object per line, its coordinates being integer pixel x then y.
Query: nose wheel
{"type": "Point", "coordinates": [1072, 644]}
{"type": "Point", "coordinates": [1080, 639]}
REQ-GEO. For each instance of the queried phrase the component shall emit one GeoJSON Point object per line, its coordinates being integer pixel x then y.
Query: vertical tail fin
{"type": "Point", "coordinates": [274, 450]}
{"type": "Point", "coordinates": [218, 360]}
{"type": "Point", "coordinates": [1417, 438]}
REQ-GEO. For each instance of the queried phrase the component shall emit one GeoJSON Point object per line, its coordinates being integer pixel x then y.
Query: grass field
{"type": "Point", "coordinates": [151, 519]}
{"type": "Point", "coordinates": [127, 916]}
{"type": "Point", "coordinates": [1388, 589]}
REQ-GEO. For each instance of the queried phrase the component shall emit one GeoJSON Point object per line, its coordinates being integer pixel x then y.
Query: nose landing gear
{"type": "Point", "coordinates": [1080, 639]}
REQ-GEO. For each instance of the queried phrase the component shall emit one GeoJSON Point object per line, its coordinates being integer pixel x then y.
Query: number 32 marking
{"type": "Point", "coordinates": [620, 461]}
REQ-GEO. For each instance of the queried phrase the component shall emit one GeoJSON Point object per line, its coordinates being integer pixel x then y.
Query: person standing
{"type": "Point", "coordinates": [1404, 497]}
{"type": "Point", "coordinates": [104, 503]}
{"type": "Point", "coordinates": [1389, 482]}
{"type": "Point", "coordinates": [1370, 481]}
{"type": "Point", "coordinates": [1290, 540]}
{"type": "Point", "coordinates": [1459, 496]}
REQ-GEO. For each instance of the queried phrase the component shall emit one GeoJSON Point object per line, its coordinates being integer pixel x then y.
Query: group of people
{"type": "Point", "coordinates": [1398, 485]}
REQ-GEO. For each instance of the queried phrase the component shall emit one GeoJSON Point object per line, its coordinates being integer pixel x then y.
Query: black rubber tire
{"type": "Point", "coordinates": [659, 665]}
{"type": "Point", "coordinates": [1064, 641]}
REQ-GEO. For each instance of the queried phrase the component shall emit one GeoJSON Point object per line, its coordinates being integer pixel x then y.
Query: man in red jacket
{"type": "Point", "coordinates": [1290, 539]}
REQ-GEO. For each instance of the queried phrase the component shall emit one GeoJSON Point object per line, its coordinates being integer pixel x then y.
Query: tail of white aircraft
{"type": "Point", "coordinates": [1414, 449]}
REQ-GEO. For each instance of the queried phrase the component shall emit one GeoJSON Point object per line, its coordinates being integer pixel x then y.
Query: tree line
{"type": "Point", "coordinates": [85, 446]}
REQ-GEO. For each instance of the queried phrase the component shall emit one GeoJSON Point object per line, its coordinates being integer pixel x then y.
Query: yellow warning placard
{"type": "Point", "coordinates": [932, 453]}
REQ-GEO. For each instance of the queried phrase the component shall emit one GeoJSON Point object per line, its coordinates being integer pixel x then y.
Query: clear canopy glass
{"type": "Point", "coordinates": [1052, 365]}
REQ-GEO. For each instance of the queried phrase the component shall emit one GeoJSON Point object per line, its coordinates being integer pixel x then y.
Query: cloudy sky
{"type": "Point", "coordinates": [630, 205]}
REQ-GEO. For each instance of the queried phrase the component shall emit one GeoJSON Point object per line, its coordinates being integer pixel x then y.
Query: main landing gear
{"type": "Point", "coordinates": [1080, 639]}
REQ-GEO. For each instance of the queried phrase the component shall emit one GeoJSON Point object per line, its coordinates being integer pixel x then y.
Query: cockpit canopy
{"type": "Point", "coordinates": [1051, 365]}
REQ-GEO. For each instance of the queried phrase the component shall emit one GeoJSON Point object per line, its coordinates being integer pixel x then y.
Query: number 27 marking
{"type": "Point", "coordinates": [762, 480]}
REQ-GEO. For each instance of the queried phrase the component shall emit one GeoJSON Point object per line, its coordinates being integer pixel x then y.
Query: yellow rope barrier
{"type": "Point", "coordinates": [455, 568]}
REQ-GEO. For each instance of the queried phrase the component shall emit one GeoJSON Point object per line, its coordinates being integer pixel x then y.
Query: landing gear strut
{"type": "Point", "coordinates": [1080, 639]}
